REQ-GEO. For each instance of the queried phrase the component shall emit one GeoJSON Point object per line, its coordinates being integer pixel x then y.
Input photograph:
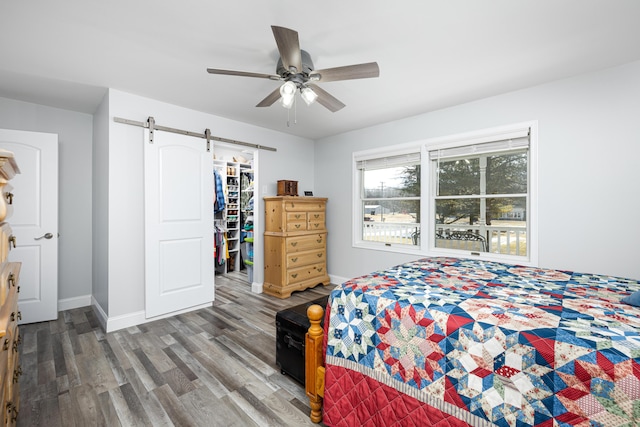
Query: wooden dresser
{"type": "Point", "coordinates": [9, 315]}
{"type": "Point", "coordinates": [295, 244]}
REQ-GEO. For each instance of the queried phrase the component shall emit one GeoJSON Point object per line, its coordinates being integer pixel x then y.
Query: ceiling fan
{"type": "Point", "coordinates": [295, 68]}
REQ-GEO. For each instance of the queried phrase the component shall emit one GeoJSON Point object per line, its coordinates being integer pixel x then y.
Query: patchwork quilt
{"type": "Point", "coordinates": [457, 342]}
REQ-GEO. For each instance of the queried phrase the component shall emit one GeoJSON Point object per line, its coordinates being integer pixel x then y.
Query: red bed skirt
{"type": "Point", "coordinates": [363, 401]}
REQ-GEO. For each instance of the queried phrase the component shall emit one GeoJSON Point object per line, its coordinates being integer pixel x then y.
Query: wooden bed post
{"type": "Point", "coordinates": [314, 370]}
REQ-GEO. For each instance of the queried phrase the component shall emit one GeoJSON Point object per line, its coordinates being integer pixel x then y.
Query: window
{"type": "Point", "coordinates": [389, 199]}
{"type": "Point", "coordinates": [480, 197]}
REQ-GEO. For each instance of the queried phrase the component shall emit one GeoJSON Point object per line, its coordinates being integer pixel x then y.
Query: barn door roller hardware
{"type": "Point", "coordinates": [152, 126]}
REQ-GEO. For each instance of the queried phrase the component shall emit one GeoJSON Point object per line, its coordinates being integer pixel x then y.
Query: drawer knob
{"type": "Point", "coordinates": [12, 240]}
{"type": "Point", "coordinates": [317, 216]}
{"type": "Point", "coordinates": [297, 216]}
{"type": "Point", "coordinates": [297, 225]}
{"type": "Point", "coordinates": [12, 279]}
{"type": "Point", "coordinates": [9, 197]}
{"type": "Point", "coordinates": [5, 346]}
{"type": "Point", "coordinates": [294, 259]}
{"type": "Point", "coordinates": [319, 255]}
{"type": "Point", "coordinates": [294, 275]}
{"type": "Point", "coordinates": [16, 374]}
{"type": "Point", "coordinates": [294, 244]}
{"type": "Point", "coordinates": [319, 240]}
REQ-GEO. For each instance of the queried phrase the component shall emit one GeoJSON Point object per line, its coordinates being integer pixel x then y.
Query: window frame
{"type": "Point", "coordinates": [426, 246]}
{"type": "Point", "coordinates": [358, 196]}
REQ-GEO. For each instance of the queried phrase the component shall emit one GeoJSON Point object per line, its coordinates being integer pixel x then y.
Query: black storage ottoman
{"type": "Point", "coordinates": [291, 326]}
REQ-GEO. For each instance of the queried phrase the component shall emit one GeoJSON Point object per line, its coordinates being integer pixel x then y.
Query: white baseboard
{"type": "Point", "coordinates": [100, 314]}
{"type": "Point", "coordinates": [256, 287]}
{"type": "Point", "coordinates": [76, 302]}
{"type": "Point", "coordinates": [114, 323]}
{"type": "Point", "coordinates": [337, 280]}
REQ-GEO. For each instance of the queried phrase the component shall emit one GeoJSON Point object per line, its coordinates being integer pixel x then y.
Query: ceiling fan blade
{"type": "Point", "coordinates": [348, 72]}
{"type": "Point", "coordinates": [289, 47]}
{"type": "Point", "coordinates": [326, 99]}
{"type": "Point", "coordinates": [243, 74]}
{"type": "Point", "coordinates": [270, 99]}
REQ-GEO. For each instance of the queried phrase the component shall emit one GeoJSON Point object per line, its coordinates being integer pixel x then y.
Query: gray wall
{"type": "Point", "coordinates": [100, 203]}
{"type": "Point", "coordinates": [589, 150]}
{"type": "Point", "coordinates": [74, 212]}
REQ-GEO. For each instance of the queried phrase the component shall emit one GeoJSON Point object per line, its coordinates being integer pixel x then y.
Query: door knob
{"type": "Point", "coordinates": [44, 236]}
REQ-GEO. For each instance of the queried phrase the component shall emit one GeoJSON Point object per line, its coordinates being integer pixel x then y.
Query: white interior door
{"type": "Point", "coordinates": [35, 221]}
{"type": "Point", "coordinates": [179, 227]}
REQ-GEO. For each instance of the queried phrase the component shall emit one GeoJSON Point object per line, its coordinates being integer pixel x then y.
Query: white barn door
{"type": "Point", "coordinates": [179, 229]}
{"type": "Point", "coordinates": [35, 221]}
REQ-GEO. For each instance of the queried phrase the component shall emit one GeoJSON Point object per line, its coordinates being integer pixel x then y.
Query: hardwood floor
{"type": "Point", "coordinates": [210, 367]}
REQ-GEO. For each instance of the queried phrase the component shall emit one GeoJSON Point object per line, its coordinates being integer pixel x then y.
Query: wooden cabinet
{"type": "Point", "coordinates": [9, 315]}
{"type": "Point", "coordinates": [295, 244]}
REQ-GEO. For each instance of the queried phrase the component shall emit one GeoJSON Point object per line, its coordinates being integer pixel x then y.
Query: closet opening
{"type": "Point", "coordinates": [235, 182]}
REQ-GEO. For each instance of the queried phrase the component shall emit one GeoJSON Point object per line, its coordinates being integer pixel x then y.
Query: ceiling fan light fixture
{"type": "Point", "coordinates": [308, 95]}
{"type": "Point", "coordinates": [295, 69]}
{"type": "Point", "coordinates": [287, 93]}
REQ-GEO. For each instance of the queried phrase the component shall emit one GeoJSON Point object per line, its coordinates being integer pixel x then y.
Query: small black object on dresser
{"type": "Point", "coordinates": [291, 326]}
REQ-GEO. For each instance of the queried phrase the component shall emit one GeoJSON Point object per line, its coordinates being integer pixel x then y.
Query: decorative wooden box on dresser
{"type": "Point", "coordinates": [9, 315]}
{"type": "Point", "coordinates": [295, 244]}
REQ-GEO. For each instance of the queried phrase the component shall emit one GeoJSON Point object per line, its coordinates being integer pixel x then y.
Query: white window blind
{"type": "Point", "coordinates": [408, 159]}
{"type": "Point", "coordinates": [498, 143]}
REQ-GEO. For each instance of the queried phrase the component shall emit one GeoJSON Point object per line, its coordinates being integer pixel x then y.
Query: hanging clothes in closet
{"type": "Point", "coordinates": [220, 250]}
{"type": "Point", "coordinates": [219, 189]}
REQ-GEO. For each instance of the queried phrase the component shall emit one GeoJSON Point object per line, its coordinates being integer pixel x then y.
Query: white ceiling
{"type": "Point", "coordinates": [432, 53]}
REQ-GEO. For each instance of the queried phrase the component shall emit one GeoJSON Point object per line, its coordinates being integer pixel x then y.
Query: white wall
{"type": "Point", "coordinates": [125, 258]}
{"type": "Point", "coordinates": [589, 170]}
{"type": "Point", "coordinates": [100, 203]}
{"type": "Point", "coordinates": [74, 212]}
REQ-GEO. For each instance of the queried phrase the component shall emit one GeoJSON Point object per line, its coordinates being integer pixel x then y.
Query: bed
{"type": "Point", "coordinates": [458, 342]}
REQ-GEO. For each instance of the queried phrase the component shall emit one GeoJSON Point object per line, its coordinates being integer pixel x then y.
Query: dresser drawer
{"type": "Point", "coordinates": [7, 193]}
{"type": "Point", "coordinates": [5, 237]}
{"type": "Point", "coordinates": [6, 347]}
{"type": "Point", "coordinates": [14, 370]}
{"type": "Point", "coordinates": [302, 205]}
{"type": "Point", "coordinates": [296, 221]}
{"type": "Point", "coordinates": [305, 243]}
{"type": "Point", "coordinates": [301, 274]}
{"type": "Point", "coordinates": [9, 314]}
{"type": "Point", "coordinates": [298, 259]}
{"type": "Point", "coordinates": [9, 276]}
{"type": "Point", "coordinates": [315, 221]}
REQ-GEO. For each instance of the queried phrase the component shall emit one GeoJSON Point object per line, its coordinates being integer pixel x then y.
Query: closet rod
{"type": "Point", "coordinates": [150, 124]}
